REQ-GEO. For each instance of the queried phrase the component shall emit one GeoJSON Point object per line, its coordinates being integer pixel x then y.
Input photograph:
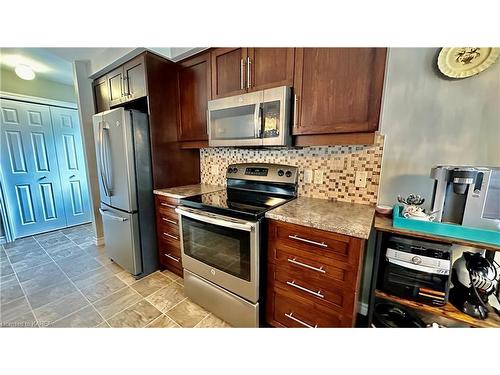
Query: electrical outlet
{"type": "Point", "coordinates": [360, 179]}
{"type": "Point", "coordinates": [318, 176]}
{"type": "Point", "coordinates": [308, 176]}
{"type": "Point", "coordinates": [214, 169]}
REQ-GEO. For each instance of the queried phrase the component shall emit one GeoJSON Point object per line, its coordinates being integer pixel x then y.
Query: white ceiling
{"type": "Point", "coordinates": [56, 64]}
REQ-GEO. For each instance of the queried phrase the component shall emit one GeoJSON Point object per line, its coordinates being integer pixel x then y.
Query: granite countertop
{"type": "Point", "coordinates": [187, 190]}
{"type": "Point", "coordinates": [351, 219]}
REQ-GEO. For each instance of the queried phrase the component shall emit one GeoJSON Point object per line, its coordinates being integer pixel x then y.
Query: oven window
{"type": "Point", "coordinates": [223, 248]}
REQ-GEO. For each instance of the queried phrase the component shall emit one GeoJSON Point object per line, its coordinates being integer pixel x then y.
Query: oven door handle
{"type": "Point", "coordinates": [246, 226]}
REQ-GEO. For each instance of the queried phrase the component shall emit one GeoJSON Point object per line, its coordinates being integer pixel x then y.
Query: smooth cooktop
{"type": "Point", "coordinates": [236, 203]}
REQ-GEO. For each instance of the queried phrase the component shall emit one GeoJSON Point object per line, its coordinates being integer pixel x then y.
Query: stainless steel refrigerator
{"type": "Point", "coordinates": [126, 189]}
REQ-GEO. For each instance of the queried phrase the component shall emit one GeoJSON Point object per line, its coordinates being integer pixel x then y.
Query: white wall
{"type": "Point", "coordinates": [429, 120]}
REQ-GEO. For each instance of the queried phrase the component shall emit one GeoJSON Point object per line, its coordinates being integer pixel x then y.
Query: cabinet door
{"type": "Point", "coordinates": [194, 94]}
{"type": "Point", "coordinates": [134, 79]}
{"type": "Point", "coordinates": [101, 94]}
{"type": "Point", "coordinates": [228, 72]}
{"type": "Point", "coordinates": [270, 67]}
{"type": "Point", "coordinates": [338, 90]}
{"type": "Point", "coordinates": [115, 86]}
{"type": "Point", "coordinates": [72, 169]}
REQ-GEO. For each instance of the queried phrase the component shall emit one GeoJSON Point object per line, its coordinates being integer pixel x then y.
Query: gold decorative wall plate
{"type": "Point", "coordinates": [463, 62]}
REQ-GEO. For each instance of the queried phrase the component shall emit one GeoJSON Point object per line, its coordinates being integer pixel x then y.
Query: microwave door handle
{"type": "Point", "coordinates": [215, 221]}
{"type": "Point", "coordinates": [258, 120]}
{"type": "Point", "coordinates": [208, 123]}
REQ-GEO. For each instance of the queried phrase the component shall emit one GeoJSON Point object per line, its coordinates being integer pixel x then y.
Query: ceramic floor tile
{"type": "Point", "coordinates": [87, 238]}
{"type": "Point", "coordinates": [31, 252]}
{"type": "Point", "coordinates": [85, 318]}
{"type": "Point", "coordinates": [10, 289]}
{"type": "Point", "coordinates": [35, 279]}
{"type": "Point", "coordinates": [163, 321]}
{"type": "Point", "coordinates": [3, 255]}
{"type": "Point", "coordinates": [187, 313]}
{"type": "Point", "coordinates": [93, 250]}
{"type": "Point", "coordinates": [78, 265]}
{"type": "Point", "coordinates": [168, 297]}
{"type": "Point", "coordinates": [117, 302]}
{"type": "Point", "coordinates": [60, 246]}
{"type": "Point", "coordinates": [28, 263]}
{"type": "Point", "coordinates": [212, 321]}
{"type": "Point", "coordinates": [17, 314]}
{"type": "Point", "coordinates": [22, 242]}
{"type": "Point", "coordinates": [170, 274]}
{"type": "Point", "coordinates": [47, 235]}
{"type": "Point", "coordinates": [53, 241]}
{"type": "Point", "coordinates": [103, 259]}
{"type": "Point", "coordinates": [51, 312]}
{"type": "Point", "coordinates": [115, 268]}
{"type": "Point", "coordinates": [72, 251]}
{"type": "Point", "coordinates": [151, 284]}
{"type": "Point", "coordinates": [5, 268]}
{"type": "Point", "coordinates": [16, 251]}
{"type": "Point", "coordinates": [136, 316]}
{"type": "Point", "coordinates": [50, 294]}
{"type": "Point", "coordinates": [89, 278]}
{"type": "Point", "coordinates": [104, 324]}
{"type": "Point", "coordinates": [102, 289]}
{"type": "Point", "coordinates": [126, 277]}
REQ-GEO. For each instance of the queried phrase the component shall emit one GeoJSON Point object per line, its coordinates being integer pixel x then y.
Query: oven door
{"type": "Point", "coordinates": [222, 250]}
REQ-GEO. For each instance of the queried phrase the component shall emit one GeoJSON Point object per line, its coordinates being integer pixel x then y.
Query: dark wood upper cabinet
{"type": "Point", "coordinates": [194, 93]}
{"type": "Point", "coordinates": [101, 94]}
{"type": "Point", "coordinates": [269, 67]}
{"type": "Point", "coordinates": [228, 71]}
{"type": "Point", "coordinates": [337, 90]}
{"type": "Point", "coordinates": [134, 79]}
{"type": "Point", "coordinates": [115, 86]}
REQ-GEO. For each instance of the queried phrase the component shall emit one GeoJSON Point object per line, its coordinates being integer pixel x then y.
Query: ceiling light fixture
{"type": "Point", "coordinates": [25, 72]}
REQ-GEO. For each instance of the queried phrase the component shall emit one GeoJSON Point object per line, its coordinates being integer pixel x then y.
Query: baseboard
{"type": "Point", "coordinates": [363, 308]}
{"type": "Point", "coordinates": [3, 240]}
{"type": "Point", "coordinates": [99, 241]}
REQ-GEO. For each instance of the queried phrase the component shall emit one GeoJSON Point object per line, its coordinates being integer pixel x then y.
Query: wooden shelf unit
{"type": "Point", "coordinates": [447, 311]}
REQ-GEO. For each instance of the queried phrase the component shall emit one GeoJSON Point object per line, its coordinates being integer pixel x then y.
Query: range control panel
{"type": "Point", "coordinates": [263, 172]}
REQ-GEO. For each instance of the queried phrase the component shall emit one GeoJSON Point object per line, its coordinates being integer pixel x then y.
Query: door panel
{"type": "Point", "coordinates": [117, 137]}
{"type": "Point", "coordinates": [135, 78]}
{"type": "Point", "coordinates": [228, 72]}
{"type": "Point", "coordinates": [271, 67]}
{"type": "Point", "coordinates": [30, 168]}
{"type": "Point", "coordinates": [72, 167]}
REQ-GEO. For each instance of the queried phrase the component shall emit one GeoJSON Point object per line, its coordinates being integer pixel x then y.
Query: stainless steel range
{"type": "Point", "coordinates": [223, 237]}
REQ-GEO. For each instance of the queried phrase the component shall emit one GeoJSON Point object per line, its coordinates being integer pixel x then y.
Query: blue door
{"type": "Point", "coordinates": [72, 171]}
{"type": "Point", "coordinates": [29, 168]}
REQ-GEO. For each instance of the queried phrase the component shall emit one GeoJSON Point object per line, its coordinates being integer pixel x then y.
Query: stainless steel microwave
{"type": "Point", "coordinates": [258, 118]}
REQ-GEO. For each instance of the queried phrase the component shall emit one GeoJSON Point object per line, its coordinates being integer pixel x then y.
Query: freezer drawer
{"type": "Point", "coordinates": [121, 235]}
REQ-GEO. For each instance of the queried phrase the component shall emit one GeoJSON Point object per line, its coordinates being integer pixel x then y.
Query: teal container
{"type": "Point", "coordinates": [445, 229]}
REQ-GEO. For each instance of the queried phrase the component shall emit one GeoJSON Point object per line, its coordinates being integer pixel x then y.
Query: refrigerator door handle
{"type": "Point", "coordinates": [101, 160]}
{"type": "Point", "coordinates": [109, 172]}
{"type": "Point", "coordinates": [113, 217]}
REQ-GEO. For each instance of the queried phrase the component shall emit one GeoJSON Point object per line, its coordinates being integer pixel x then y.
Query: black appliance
{"type": "Point", "coordinates": [417, 270]}
{"type": "Point", "coordinates": [474, 279]}
{"type": "Point", "coordinates": [390, 315]}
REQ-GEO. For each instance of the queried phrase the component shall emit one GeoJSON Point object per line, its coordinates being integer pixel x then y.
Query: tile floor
{"type": "Point", "coordinates": [61, 279]}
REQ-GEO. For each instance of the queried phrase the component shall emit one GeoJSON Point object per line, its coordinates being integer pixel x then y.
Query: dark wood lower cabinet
{"type": "Point", "coordinates": [313, 277]}
{"type": "Point", "coordinates": [167, 227]}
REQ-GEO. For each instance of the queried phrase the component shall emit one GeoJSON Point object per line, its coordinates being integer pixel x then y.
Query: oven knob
{"type": "Point", "coordinates": [230, 170]}
{"type": "Point", "coordinates": [212, 271]}
{"type": "Point", "coordinates": [288, 174]}
{"type": "Point", "coordinates": [281, 173]}
{"type": "Point", "coordinates": [416, 260]}
{"type": "Point", "coordinates": [235, 170]}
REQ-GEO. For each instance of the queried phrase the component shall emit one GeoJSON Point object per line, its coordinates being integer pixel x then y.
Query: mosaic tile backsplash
{"type": "Point", "coordinates": [338, 164]}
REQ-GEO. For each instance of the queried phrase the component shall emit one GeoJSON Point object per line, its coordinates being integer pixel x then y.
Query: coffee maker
{"type": "Point", "coordinates": [469, 196]}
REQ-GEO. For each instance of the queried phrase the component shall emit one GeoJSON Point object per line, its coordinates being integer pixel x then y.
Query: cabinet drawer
{"type": "Point", "coordinates": [169, 238]}
{"type": "Point", "coordinates": [293, 311]}
{"type": "Point", "coordinates": [164, 228]}
{"type": "Point", "coordinates": [164, 219]}
{"type": "Point", "coordinates": [316, 242]}
{"type": "Point", "coordinates": [167, 206]}
{"type": "Point", "coordinates": [312, 267]}
{"type": "Point", "coordinates": [169, 255]}
{"type": "Point", "coordinates": [320, 290]}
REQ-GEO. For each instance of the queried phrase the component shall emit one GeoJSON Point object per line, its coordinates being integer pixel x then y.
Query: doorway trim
{"type": "Point", "coordinates": [37, 100]}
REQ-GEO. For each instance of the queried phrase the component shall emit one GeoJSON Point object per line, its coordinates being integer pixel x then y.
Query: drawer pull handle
{"type": "Point", "coordinates": [295, 261]}
{"type": "Point", "coordinates": [169, 221]}
{"type": "Point", "coordinates": [167, 205]}
{"type": "Point", "coordinates": [173, 258]}
{"type": "Point", "coordinates": [317, 294]}
{"type": "Point", "coordinates": [295, 237]}
{"type": "Point", "coordinates": [170, 235]}
{"type": "Point", "coordinates": [290, 316]}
